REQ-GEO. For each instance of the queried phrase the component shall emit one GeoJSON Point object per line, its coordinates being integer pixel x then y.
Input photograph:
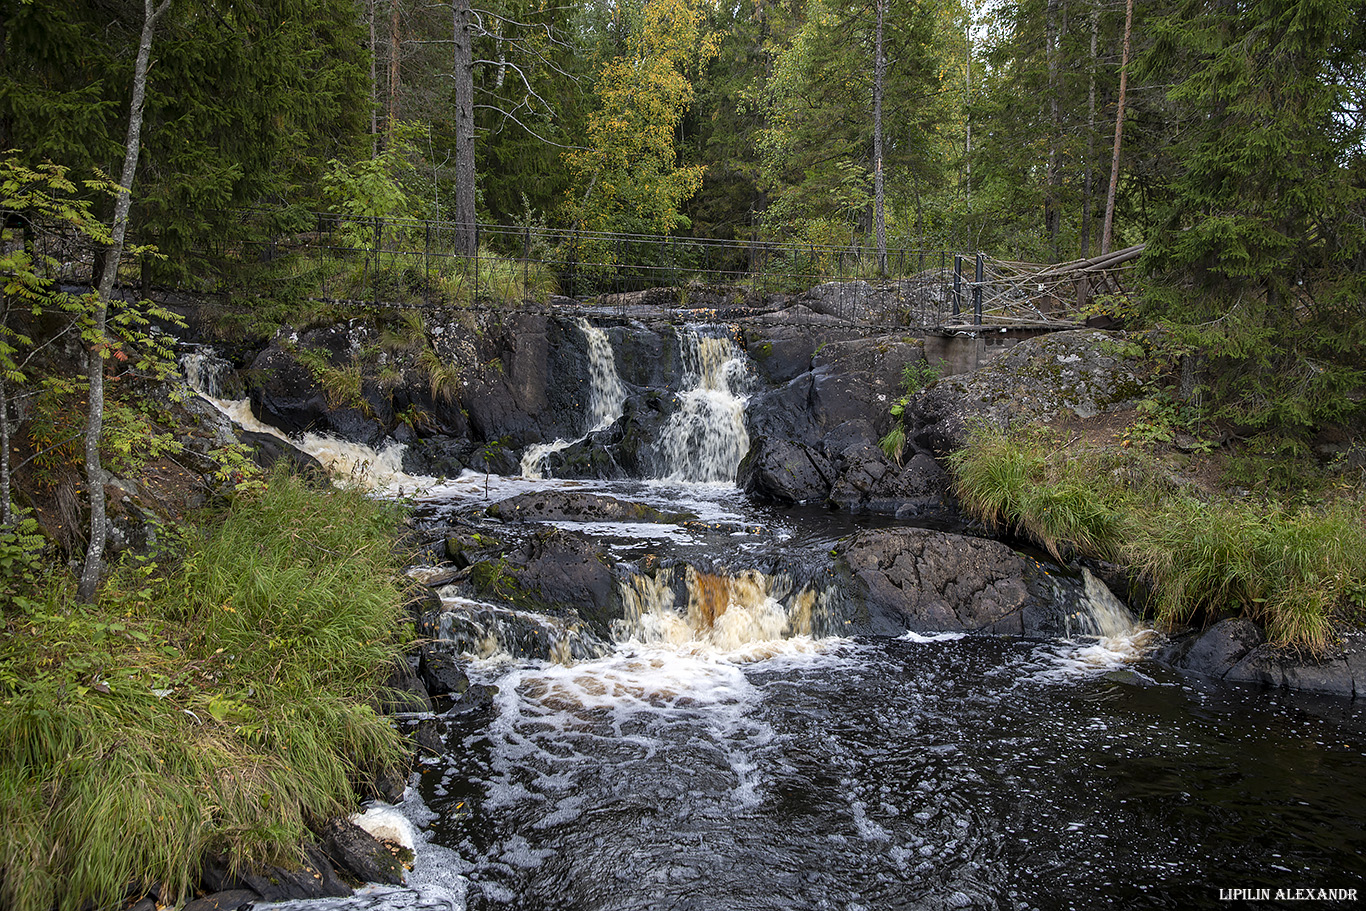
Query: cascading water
{"type": "Point", "coordinates": [606, 396]}
{"type": "Point", "coordinates": [706, 438]}
{"type": "Point", "coordinates": [206, 374]}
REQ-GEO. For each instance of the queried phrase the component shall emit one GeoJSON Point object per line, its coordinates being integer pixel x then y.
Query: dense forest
{"type": "Point", "coordinates": [965, 127]}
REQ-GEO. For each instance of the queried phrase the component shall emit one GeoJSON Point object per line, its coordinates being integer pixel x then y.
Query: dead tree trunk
{"type": "Point", "coordinates": [1107, 231]}
{"type": "Point", "coordinates": [466, 237]}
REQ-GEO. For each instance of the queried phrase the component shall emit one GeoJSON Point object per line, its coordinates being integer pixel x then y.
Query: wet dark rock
{"type": "Point", "coordinates": [1214, 652]}
{"type": "Point", "coordinates": [357, 851]}
{"type": "Point", "coordinates": [229, 900]}
{"type": "Point", "coordinates": [928, 581]}
{"type": "Point", "coordinates": [477, 698]}
{"type": "Point", "coordinates": [438, 456]}
{"type": "Point", "coordinates": [495, 458]}
{"type": "Point", "coordinates": [1339, 672]}
{"type": "Point", "coordinates": [466, 547]}
{"type": "Point", "coordinates": [405, 691]}
{"type": "Point", "coordinates": [315, 877]}
{"type": "Point", "coordinates": [626, 449]}
{"type": "Point", "coordinates": [268, 451]}
{"type": "Point", "coordinates": [484, 629]}
{"type": "Point", "coordinates": [1235, 651]}
{"type": "Point", "coordinates": [287, 394]}
{"type": "Point", "coordinates": [569, 505]}
{"type": "Point", "coordinates": [430, 737]}
{"type": "Point", "coordinates": [784, 471]}
{"type": "Point", "coordinates": [528, 382]}
{"type": "Point", "coordinates": [440, 671]}
{"type": "Point", "coordinates": [555, 571]}
{"type": "Point", "coordinates": [424, 600]}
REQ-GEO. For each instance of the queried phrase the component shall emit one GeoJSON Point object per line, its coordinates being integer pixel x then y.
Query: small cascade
{"type": "Point", "coordinates": [606, 396]}
{"type": "Point", "coordinates": [491, 631]}
{"type": "Point", "coordinates": [706, 438]}
{"type": "Point", "coordinates": [208, 375]}
{"type": "Point", "coordinates": [1100, 632]}
{"type": "Point", "coordinates": [745, 616]}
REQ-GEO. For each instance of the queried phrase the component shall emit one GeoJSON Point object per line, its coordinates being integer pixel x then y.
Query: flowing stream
{"type": "Point", "coordinates": [730, 750]}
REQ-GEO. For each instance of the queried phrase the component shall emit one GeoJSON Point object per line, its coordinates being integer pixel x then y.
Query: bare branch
{"type": "Point", "coordinates": [507, 115]}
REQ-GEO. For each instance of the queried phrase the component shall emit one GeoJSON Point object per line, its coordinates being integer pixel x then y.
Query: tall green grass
{"type": "Point", "coordinates": [224, 706]}
{"type": "Point", "coordinates": [1298, 570]}
{"type": "Point", "coordinates": [1015, 482]}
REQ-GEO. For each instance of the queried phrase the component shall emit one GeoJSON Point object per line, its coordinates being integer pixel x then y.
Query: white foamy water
{"type": "Point", "coordinates": [606, 397]}
{"type": "Point", "coordinates": [1118, 641]}
{"type": "Point", "coordinates": [706, 438]}
{"type": "Point", "coordinates": [436, 882]}
{"type": "Point", "coordinates": [381, 471]}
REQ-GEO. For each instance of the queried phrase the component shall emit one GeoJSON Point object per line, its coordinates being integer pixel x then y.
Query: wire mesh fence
{"type": "Point", "coordinates": [411, 263]}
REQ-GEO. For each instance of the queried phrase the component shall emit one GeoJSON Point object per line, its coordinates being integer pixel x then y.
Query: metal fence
{"type": "Point", "coordinates": [400, 262]}
{"type": "Point", "coordinates": [408, 263]}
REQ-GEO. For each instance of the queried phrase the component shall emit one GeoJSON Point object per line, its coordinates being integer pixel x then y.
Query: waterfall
{"type": "Point", "coordinates": [747, 615]}
{"type": "Point", "coordinates": [706, 438]}
{"type": "Point", "coordinates": [606, 396]}
{"type": "Point", "coordinates": [207, 374]}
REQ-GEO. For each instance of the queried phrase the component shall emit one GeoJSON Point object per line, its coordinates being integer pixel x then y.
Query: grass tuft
{"type": "Point", "coordinates": [1295, 569]}
{"type": "Point", "coordinates": [224, 706]}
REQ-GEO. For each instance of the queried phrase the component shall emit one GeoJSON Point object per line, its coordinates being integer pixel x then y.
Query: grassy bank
{"type": "Point", "coordinates": [221, 703]}
{"type": "Point", "coordinates": [1296, 566]}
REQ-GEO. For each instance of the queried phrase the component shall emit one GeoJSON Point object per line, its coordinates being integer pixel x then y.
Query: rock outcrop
{"type": "Point", "coordinates": [1235, 651]}
{"type": "Point", "coordinates": [1082, 372]}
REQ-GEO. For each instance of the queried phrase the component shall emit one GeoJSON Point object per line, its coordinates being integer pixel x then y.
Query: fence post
{"type": "Point", "coordinates": [379, 246]}
{"type": "Point", "coordinates": [957, 284]}
{"type": "Point", "coordinates": [977, 292]}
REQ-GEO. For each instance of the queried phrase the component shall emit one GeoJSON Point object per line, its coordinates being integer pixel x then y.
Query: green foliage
{"type": "Point", "coordinates": [628, 179]}
{"type": "Point", "coordinates": [21, 564]}
{"type": "Point", "coordinates": [223, 705]}
{"type": "Point", "coordinates": [814, 161]}
{"type": "Point", "coordinates": [1012, 482]}
{"type": "Point", "coordinates": [1292, 569]}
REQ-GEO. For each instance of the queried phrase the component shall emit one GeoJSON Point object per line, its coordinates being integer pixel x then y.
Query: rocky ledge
{"type": "Point", "coordinates": [1235, 651]}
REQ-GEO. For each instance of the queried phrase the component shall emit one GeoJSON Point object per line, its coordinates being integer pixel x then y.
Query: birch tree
{"type": "Point", "coordinates": [99, 347]}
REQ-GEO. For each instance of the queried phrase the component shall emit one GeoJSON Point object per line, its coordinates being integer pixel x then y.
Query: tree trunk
{"type": "Point", "coordinates": [1051, 213]}
{"type": "Point", "coordinates": [879, 78]}
{"type": "Point", "coordinates": [394, 75]}
{"type": "Point", "coordinates": [967, 103]}
{"type": "Point", "coordinates": [1119, 131]}
{"type": "Point", "coordinates": [374, 81]}
{"type": "Point", "coordinates": [99, 348]}
{"type": "Point", "coordinates": [6, 509]}
{"type": "Point", "coordinates": [466, 237]}
{"type": "Point", "coordinates": [1090, 136]}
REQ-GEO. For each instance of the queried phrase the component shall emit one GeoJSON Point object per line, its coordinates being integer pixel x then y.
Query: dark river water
{"type": "Point", "coordinates": [747, 766]}
{"type": "Point", "coordinates": [876, 774]}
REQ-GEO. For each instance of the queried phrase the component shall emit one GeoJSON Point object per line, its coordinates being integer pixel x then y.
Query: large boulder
{"type": "Point", "coordinates": [929, 581]}
{"type": "Point", "coordinates": [784, 471]}
{"type": "Point", "coordinates": [1082, 372]}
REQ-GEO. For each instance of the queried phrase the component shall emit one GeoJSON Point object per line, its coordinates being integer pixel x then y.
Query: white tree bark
{"type": "Point", "coordinates": [94, 424]}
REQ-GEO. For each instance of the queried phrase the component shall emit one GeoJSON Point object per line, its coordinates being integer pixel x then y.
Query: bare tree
{"type": "Point", "coordinates": [99, 346]}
